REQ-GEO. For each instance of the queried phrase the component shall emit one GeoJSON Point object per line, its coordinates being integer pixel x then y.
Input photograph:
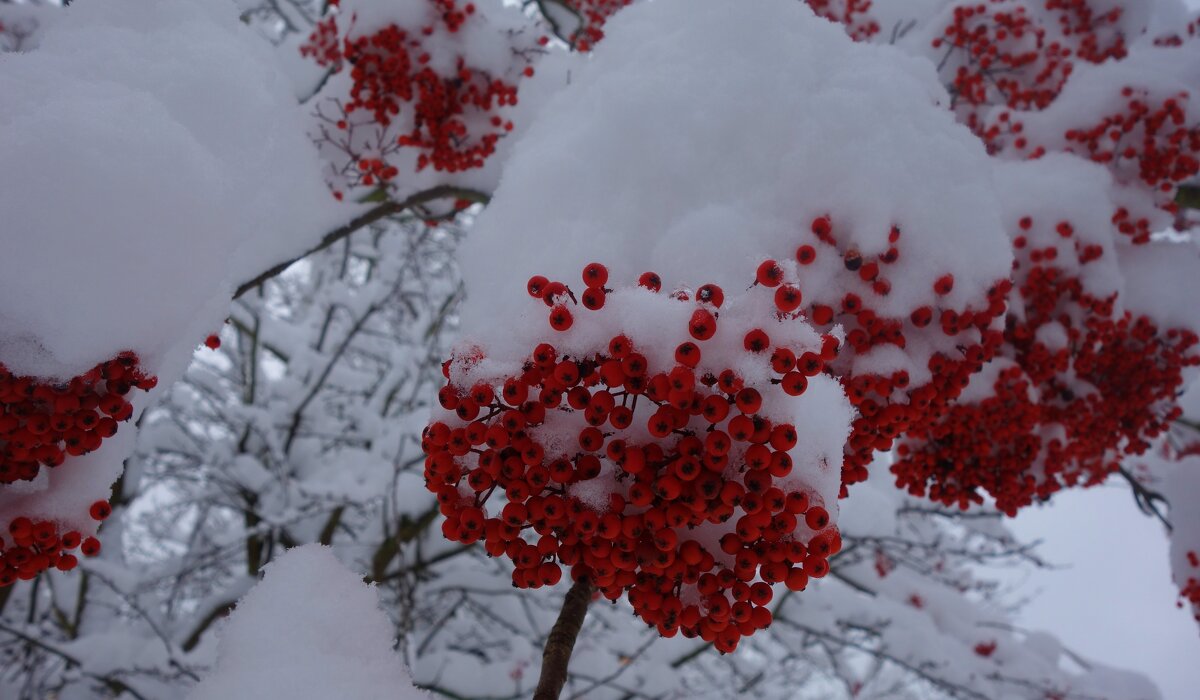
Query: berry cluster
{"type": "Point", "coordinates": [1154, 139]}
{"type": "Point", "coordinates": [1189, 592]}
{"type": "Point", "coordinates": [860, 25]}
{"type": "Point", "coordinates": [888, 403]}
{"type": "Point", "coordinates": [42, 422]}
{"type": "Point", "coordinates": [1151, 139]}
{"type": "Point", "coordinates": [592, 16]}
{"type": "Point", "coordinates": [1001, 55]}
{"type": "Point", "coordinates": [1095, 36]}
{"type": "Point", "coordinates": [1081, 385]}
{"type": "Point", "coordinates": [453, 118]}
{"type": "Point", "coordinates": [39, 545]}
{"type": "Point", "coordinates": [1190, 32]}
{"type": "Point", "coordinates": [670, 484]}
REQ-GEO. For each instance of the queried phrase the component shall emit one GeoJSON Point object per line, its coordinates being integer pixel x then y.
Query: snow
{"type": "Point", "coordinates": [169, 139]}
{"type": "Point", "coordinates": [311, 630]}
{"type": "Point", "coordinates": [775, 155]}
{"type": "Point", "coordinates": [1078, 185]}
{"type": "Point", "coordinates": [155, 159]}
{"type": "Point", "coordinates": [1161, 282]}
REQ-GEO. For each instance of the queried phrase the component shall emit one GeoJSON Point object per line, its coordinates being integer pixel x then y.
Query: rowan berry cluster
{"type": "Point", "coordinates": [1189, 592]}
{"type": "Point", "coordinates": [1155, 140]}
{"type": "Point", "coordinates": [888, 404]}
{"type": "Point", "coordinates": [42, 422]}
{"type": "Point", "coordinates": [1190, 32]}
{"type": "Point", "coordinates": [854, 14]}
{"type": "Point", "coordinates": [1001, 53]}
{"type": "Point", "coordinates": [669, 484]}
{"type": "Point", "coordinates": [1081, 385]}
{"type": "Point", "coordinates": [592, 16]}
{"type": "Point", "coordinates": [1147, 139]}
{"type": "Point", "coordinates": [453, 118]}
{"type": "Point", "coordinates": [33, 546]}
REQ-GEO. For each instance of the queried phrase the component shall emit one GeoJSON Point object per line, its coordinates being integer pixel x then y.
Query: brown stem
{"type": "Point", "coordinates": [381, 211]}
{"type": "Point", "coordinates": [561, 642]}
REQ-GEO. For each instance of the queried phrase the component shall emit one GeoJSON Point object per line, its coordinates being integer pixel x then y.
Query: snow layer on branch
{"type": "Point", "coordinates": [664, 154]}
{"type": "Point", "coordinates": [310, 631]}
{"type": "Point", "coordinates": [154, 160]}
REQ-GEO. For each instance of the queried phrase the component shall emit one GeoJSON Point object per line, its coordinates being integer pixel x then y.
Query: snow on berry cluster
{"type": "Point", "coordinates": [1032, 77]}
{"type": "Point", "coordinates": [675, 476]}
{"type": "Point", "coordinates": [1020, 54]}
{"type": "Point", "coordinates": [855, 226]}
{"type": "Point", "coordinates": [1137, 117]}
{"type": "Point", "coordinates": [853, 14]}
{"type": "Point", "coordinates": [149, 148]}
{"type": "Point", "coordinates": [1067, 77]}
{"type": "Point", "coordinates": [834, 285]}
{"type": "Point", "coordinates": [1181, 483]}
{"type": "Point", "coordinates": [428, 84]}
{"type": "Point", "coordinates": [1085, 375]}
{"type": "Point", "coordinates": [581, 22]}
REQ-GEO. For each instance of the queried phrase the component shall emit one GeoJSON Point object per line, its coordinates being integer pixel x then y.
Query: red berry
{"type": "Point", "coordinates": [769, 274]}
{"type": "Point", "coordinates": [593, 298]}
{"type": "Point", "coordinates": [711, 294]}
{"type": "Point", "coordinates": [651, 281]}
{"type": "Point", "coordinates": [595, 275]}
{"type": "Point", "coordinates": [787, 298]}
{"type": "Point", "coordinates": [100, 510]}
{"type": "Point", "coordinates": [756, 341]}
{"type": "Point", "coordinates": [560, 318]}
{"type": "Point", "coordinates": [703, 325]}
{"type": "Point", "coordinates": [536, 286]}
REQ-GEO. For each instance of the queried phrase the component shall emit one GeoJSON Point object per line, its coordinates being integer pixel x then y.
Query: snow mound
{"type": "Point", "coordinates": [311, 630]}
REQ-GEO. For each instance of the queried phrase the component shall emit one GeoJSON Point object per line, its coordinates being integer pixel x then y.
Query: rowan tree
{"type": "Point", "coordinates": [627, 349]}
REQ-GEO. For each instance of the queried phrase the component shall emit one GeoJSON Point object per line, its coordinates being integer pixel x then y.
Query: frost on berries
{"type": "Point", "coordinates": [431, 85]}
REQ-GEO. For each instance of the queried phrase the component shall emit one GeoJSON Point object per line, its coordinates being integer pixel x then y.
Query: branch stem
{"type": "Point", "coordinates": [561, 642]}
{"type": "Point", "coordinates": [377, 213]}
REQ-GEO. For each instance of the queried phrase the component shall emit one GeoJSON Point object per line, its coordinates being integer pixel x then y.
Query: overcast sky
{"type": "Point", "coordinates": [1114, 600]}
